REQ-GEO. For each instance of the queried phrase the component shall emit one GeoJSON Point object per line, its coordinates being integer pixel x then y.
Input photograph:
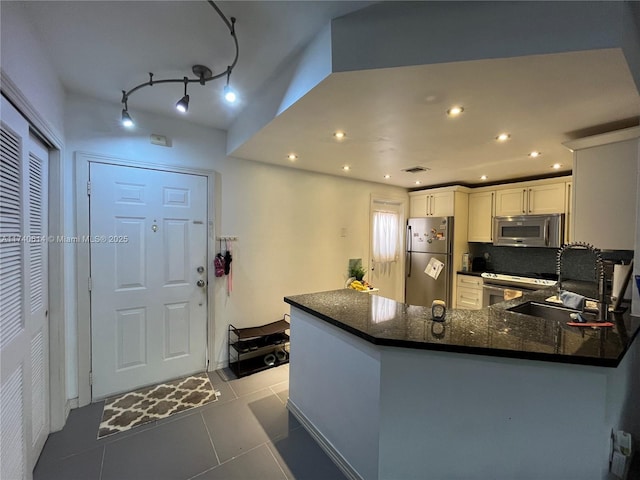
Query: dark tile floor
{"type": "Point", "coordinates": [247, 434]}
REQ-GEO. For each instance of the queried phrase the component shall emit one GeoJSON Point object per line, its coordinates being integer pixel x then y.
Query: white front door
{"type": "Point", "coordinates": [24, 298]}
{"type": "Point", "coordinates": [148, 233]}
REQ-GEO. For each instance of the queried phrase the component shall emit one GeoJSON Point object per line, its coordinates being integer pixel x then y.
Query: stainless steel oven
{"type": "Point", "coordinates": [500, 287]}
{"type": "Point", "coordinates": [492, 294]}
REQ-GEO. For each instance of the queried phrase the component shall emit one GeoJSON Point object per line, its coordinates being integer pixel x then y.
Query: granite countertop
{"type": "Point", "coordinates": [492, 331]}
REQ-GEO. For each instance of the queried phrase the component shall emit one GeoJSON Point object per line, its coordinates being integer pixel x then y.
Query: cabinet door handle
{"type": "Point", "coordinates": [493, 205]}
{"type": "Point", "coordinates": [529, 201]}
{"type": "Point", "coordinates": [524, 200]}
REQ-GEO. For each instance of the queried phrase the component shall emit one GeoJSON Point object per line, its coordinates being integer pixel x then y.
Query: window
{"type": "Point", "coordinates": [385, 236]}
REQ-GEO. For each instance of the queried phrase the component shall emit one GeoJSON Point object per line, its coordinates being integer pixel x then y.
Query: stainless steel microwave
{"type": "Point", "coordinates": [529, 231]}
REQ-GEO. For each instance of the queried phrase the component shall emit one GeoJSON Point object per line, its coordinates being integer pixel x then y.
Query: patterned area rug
{"type": "Point", "coordinates": [153, 403]}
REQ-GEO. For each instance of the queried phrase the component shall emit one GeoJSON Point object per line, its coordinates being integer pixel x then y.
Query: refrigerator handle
{"type": "Point", "coordinates": [409, 245]}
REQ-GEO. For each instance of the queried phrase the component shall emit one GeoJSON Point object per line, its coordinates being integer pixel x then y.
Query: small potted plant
{"type": "Point", "coordinates": [357, 271]}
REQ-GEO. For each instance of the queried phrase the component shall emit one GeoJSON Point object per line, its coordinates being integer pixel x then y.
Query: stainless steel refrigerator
{"type": "Point", "coordinates": [428, 257]}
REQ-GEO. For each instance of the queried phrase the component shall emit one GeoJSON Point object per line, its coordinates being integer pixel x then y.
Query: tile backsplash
{"type": "Point", "coordinates": [577, 264]}
{"type": "Point", "coordinates": [514, 259]}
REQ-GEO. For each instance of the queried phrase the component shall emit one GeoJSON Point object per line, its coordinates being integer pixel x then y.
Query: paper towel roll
{"type": "Point", "coordinates": [621, 275]}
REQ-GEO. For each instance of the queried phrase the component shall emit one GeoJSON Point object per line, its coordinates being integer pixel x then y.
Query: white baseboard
{"type": "Point", "coordinates": [218, 366]}
{"type": "Point", "coordinates": [69, 405]}
{"type": "Point", "coordinates": [328, 448]}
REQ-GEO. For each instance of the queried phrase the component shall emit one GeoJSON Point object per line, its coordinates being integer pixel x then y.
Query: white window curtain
{"type": "Point", "coordinates": [385, 237]}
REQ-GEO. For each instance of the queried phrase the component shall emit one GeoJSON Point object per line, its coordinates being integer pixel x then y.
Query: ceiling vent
{"type": "Point", "coordinates": [416, 169]}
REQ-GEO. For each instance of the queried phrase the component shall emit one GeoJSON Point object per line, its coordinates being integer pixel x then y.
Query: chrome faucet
{"type": "Point", "coordinates": [599, 271]}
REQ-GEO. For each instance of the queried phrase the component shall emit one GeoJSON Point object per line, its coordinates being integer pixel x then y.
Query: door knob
{"type": "Point", "coordinates": [200, 269]}
{"type": "Point", "coordinates": [200, 283]}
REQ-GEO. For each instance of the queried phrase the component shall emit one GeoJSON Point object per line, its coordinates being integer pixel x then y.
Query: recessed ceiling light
{"type": "Point", "coordinates": [503, 137]}
{"type": "Point", "coordinates": [483, 177]}
{"type": "Point", "coordinates": [455, 111]}
{"type": "Point", "coordinates": [418, 182]}
{"type": "Point", "coordinates": [292, 156]}
{"type": "Point", "coordinates": [339, 135]}
{"type": "Point", "coordinates": [346, 168]}
{"type": "Point", "coordinates": [535, 154]}
{"type": "Point", "coordinates": [387, 177]}
{"type": "Point", "coordinates": [556, 166]}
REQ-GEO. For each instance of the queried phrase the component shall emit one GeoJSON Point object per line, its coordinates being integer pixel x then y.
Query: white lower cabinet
{"type": "Point", "coordinates": [469, 292]}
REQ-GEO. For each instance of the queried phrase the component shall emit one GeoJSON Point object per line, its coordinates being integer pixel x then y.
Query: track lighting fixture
{"type": "Point", "coordinates": [203, 75]}
{"type": "Point", "coordinates": [228, 92]}
{"type": "Point", "coordinates": [126, 118]}
{"type": "Point", "coordinates": [183, 104]}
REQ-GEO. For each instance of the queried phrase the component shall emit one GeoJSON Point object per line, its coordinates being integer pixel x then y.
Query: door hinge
{"type": "Point", "coordinates": [89, 188]}
{"type": "Point", "coordinates": [90, 378]}
{"type": "Point", "coordinates": [90, 282]}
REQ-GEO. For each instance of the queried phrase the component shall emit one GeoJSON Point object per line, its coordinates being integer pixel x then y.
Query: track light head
{"type": "Point", "coordinates": [229, 94]}
{"type": "Point", "coordinates": [183, 104]}
{"type": "Point", "coordinates": [127, 121]}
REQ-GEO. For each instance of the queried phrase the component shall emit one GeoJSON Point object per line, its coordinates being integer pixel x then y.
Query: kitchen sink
{"type": "Point", "coordinates": [549, 312]}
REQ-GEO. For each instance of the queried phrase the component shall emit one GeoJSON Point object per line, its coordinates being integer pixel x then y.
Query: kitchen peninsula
{"type": "Point", "coordinates": [391, 394]}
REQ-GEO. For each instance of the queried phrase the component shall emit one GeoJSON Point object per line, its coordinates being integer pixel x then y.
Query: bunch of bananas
{"type": "Point", "coordinates": [361, 286]}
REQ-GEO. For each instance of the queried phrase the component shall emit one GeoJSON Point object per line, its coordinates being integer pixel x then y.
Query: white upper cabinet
{"type": "Point", "coordinates": [531, 199]}
{"type": "Point", "coordinates": [481, 212]}
{"type": "Point", "coordinates": [605, 185]}
{"type": "Point", "coordinates": [432, 204]}
{"type": "Point", "coordinates": [418, 205]}
{"type": "Point", "coordinates": [549, 198]}
{"type": "Point", "coordinates": [511, 201]}
{"type": "Point", "coordinates": [535, 197]}
{"type": "Point", "coordinates": [568, 213]}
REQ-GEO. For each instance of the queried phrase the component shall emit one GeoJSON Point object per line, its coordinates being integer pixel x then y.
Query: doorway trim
{"type": "Point", "coordinates": [82, 162]}
{"type": "Point", "coordinates": [401, 202]}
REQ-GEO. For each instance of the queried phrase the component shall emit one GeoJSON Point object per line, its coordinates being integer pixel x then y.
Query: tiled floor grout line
{"type": "Point", "coordinates": [210, 437]}
{"type": "Point", "coordinates": [234, 392]}
{"type": "Point", "coordinates": [277, 396]}
{"type": "Point", "coordinates": [104, 453]}
{"type": "Point", "coordinates": [230, 459]}
{"type": "Point", "coordinates": [277, 462]}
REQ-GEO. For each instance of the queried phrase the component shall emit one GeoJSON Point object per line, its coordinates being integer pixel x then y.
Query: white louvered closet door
{"type": "Point", "coordinates": [24, 333]}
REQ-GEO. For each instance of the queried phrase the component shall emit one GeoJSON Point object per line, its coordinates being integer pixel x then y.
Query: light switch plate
{"type": "Point", "coordinates": [159, 140]}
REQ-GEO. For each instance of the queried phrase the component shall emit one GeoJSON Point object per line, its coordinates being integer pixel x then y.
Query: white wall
{"type": "Point", "coordinates": [283, 89]}
{"type": "Point", "coordinates": [25, 62]}
{"type": "Point", "coordinates": [604, 187]}
{"type": "Point", "coordinates": [346, 417]}
{"type": "Point", "coordinates": [477, 417]}
{"type": "Point", "coordinates": [453, 415]}
{"type": "Point", "coordinates": [434, 32]}
{"type": "Point", "coordinates": [288, 222]}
